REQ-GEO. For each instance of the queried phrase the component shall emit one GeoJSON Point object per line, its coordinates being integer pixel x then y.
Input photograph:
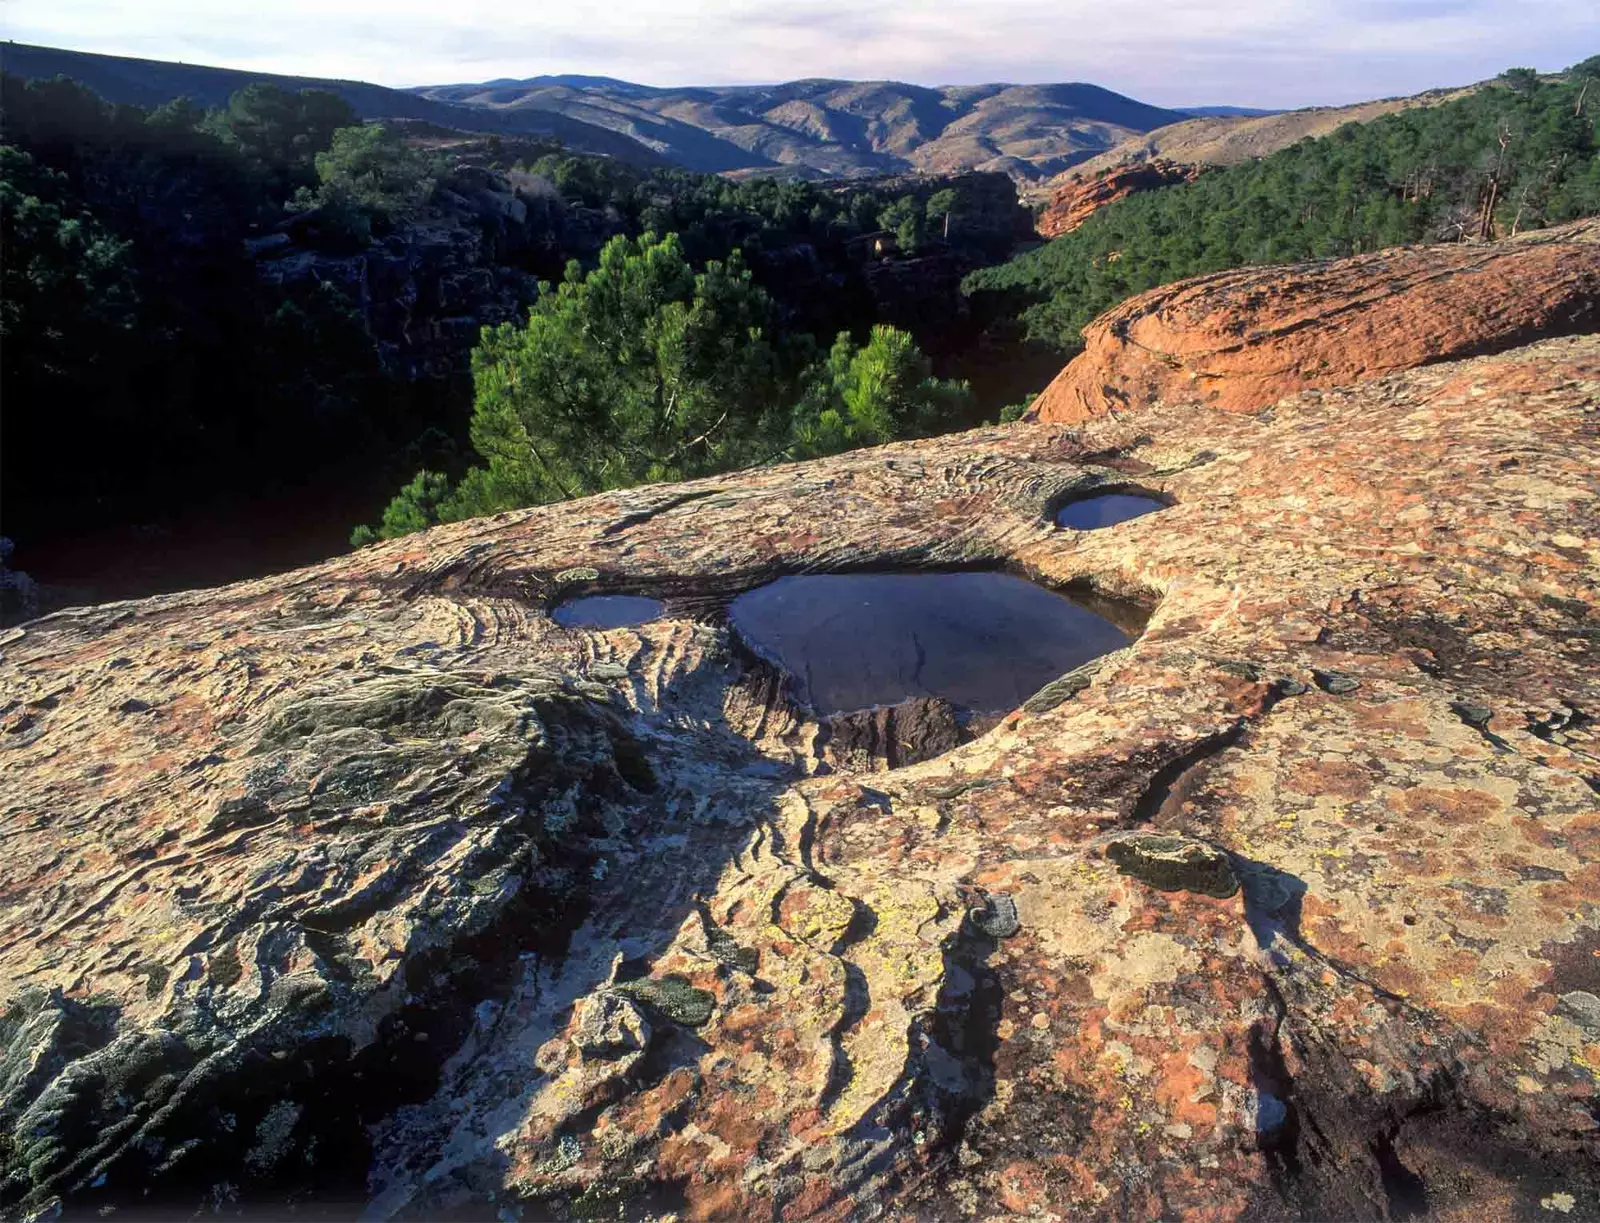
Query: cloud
{"type": "Point", "coordinates": [1245, 52]}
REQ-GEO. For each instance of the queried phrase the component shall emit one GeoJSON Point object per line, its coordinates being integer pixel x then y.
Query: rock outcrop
{"type": "Point", "coordinates": [1241, 340]}
{"type": "Point", "coordinates": [368, 889]}
{"type": "Point", "coordinates": [472, 258]}
{"type": "Point", "coordinates": [1078, 199]}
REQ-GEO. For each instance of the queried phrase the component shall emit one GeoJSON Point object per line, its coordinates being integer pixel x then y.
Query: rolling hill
{"type": "Point", "coordinates": [805, 129]}
{"type": "Point", "coordinates": [828, 128]}
{"type": "Point", "coordinates": [149, 82]}
{"type": "Point", "coordinates": [1223, 136]}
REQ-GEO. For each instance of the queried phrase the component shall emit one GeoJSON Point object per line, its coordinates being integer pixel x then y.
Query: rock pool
{"type": "Point", "coordinates": [608, 611]}
{"type": "Point", "coordinates": [983, 641]}
{"type": "Point", "coordinates": [1106, 510]}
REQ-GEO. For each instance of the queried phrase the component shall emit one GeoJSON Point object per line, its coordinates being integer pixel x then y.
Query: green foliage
{"type": "Point", "coordinates": [369, 172]}
{"type": "Point", "coordinates": [126, 293]}
{"type": "Point", "coordinates": [596, 181]}
{"type": "Point", "coordinates": [645, 370]}
{"type": "Point", "coordinates": [416, 506]}
{"type": "Point", "coordinates": [908, 218]}
{"type": "Point", "coordinates": [943, 206]}
{"type": "Point", "coordinates": [875, 394]}
{"type": "Point", "coordinates": [640, 370]}
{"type": "Point", "coordinates": [133, 290]}
{"type": "Point", "coordinates": [279, 133]}
{"type": "Point", "coordinates": [713, 215]}
{"type": "Point", "coordinates": [1495, 161]}
{"type": "Point", "coordinates": [1520, 80]}
{"type": "Point", "coordinates": [1014, 411]}
{"type": "Point", "coordinates": [65, 281]}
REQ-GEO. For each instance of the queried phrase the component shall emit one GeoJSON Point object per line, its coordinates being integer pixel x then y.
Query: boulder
{"type": "Point", "coordinates": [1243, 339]}
{"type": "Point", "coordinates": [368, 889]}
{"type": "Point", "coordinates": [1078, 199]}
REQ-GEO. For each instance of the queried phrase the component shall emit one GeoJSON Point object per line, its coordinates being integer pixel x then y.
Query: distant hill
{"type": "Point", "coordinates": [1223, 136]}
{"type": "Point", "coordinates": [1203, 111]}
{"type": "Point", "coordinates": [826, 128]}
{"type": "Point", "coordinates": [150, 82]}
{"type": "Point", "coordinates": [807, 129]}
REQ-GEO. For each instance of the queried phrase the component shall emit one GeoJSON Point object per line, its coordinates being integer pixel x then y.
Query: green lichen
{"type": "Point", "coordinates": [1175, 864]}
{"type": "Point", "coordinates": [671, 997]}
{"type": "Point", "coordinates": [571, 577]}
{"type": "Point", "coordinates": [605, 1198]}
{"type": "Point", "coordinates": [225, 968]}
{"type": "Point", "coordinates": [726, 948]}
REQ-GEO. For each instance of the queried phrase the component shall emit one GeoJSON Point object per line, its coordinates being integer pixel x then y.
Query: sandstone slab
{"type": "Point", "coordinates": [371, 890]}
{"type": "Point", "coordinates": [1243, 339]}
{"type": "Point", "coordinates": [1078, 199]}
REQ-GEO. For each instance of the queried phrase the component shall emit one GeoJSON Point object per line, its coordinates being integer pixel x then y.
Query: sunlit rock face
{"type": "Point", "coordinates": [372, 884]}
{"type": "Point", "coordinates": [1241, 340]}
{"type": "Point", "coordinates": [1078, 199]}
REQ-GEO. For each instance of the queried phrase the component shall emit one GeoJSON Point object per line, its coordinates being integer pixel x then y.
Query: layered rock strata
{"type": "Point", "coordinates": [1078, 199]}
{"type": "Point", "coordinates": [1240, 340]}
{"type": "Point", "coordinates": [369, 890]}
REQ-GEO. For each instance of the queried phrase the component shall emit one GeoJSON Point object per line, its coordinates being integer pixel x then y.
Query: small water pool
{"type": "Point", "coordinates": [985, 642]}
{"type": "Point", "coordinates": [1106, 510]}
{"type": "Point", "coordinates": [608, 611]}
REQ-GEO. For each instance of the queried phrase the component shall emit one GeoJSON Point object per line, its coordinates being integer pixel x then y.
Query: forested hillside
{"type": "Point", "coordinates": [1516, 156]}
{"type": "Point", "coordinates": [271, 303]}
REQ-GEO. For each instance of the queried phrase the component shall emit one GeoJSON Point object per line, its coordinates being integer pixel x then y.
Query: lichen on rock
{"type": "Point", "coordinates": [1175, 864]}
{"type": "Point", "coordinates": [397, 893]}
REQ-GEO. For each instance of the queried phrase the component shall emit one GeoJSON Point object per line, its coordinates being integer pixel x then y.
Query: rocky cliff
{"type": "Point", "coordinates": [469, 259]}
{"type": "Point", "coordinates": [1239, 340]}
{"type": "Point", "coordinates": [1079, 199]}
{"type": "Point", "coordinates": [369, 889]}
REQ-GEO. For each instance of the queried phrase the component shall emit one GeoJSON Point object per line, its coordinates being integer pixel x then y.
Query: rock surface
{"type": "Point", "coordinates": [1078, 199]}
{"type": "Point", "coordinates": [472, 258]}
{"type": "Point", "coordinates": [368, 889]}
{"type": "Point", "coordinates": [1241, 340]}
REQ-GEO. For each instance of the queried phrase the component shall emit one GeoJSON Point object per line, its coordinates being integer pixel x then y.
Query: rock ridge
{"type": "Point", "coordinates": [1242, 339]}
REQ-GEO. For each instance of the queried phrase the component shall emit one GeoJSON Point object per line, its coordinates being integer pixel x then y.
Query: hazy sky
{"type": "Point", "coordinates": [1175, 52]}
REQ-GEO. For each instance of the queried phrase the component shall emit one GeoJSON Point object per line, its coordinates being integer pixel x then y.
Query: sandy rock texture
{"type": "Point", "coordinates": [1240, 340]}
{"type": "Point", "coordinates": [367, 890]}
{"type": "Point", "coordinates": [1078, 199]}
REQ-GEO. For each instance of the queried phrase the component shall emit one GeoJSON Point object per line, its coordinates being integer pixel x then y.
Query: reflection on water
{"type": "Point", "coordinates": [1106, 510]}
{"type": "Point", "coordinates": [982, 641]}
{"type": "Point", "coordinates": [608, 611]}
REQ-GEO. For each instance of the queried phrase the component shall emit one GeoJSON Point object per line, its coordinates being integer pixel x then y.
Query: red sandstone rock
{"type": "Point", "coordinates": [371, 890]}
{"type": "Point", "coordinates": [1243, 339]}
{"type": "Point", "coordinates": [1077, 200]}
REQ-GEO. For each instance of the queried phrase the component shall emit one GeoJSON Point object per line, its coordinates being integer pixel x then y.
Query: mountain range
{"type": "Point", "coordinates": [830, 128]}
{"type": "Point", "coordinates": [807, 129]}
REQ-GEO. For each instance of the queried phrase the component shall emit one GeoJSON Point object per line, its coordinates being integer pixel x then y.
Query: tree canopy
{"type": "Point", "coordinates": [644, 369]}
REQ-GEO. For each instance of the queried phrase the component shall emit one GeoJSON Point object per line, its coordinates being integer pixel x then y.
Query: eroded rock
{"type": "Point", "coordinates": [1175, 864]}
{"type": "Point", "coordinates": [395, 892]}
{"type": "Point", "coordinates": [1241, 340]}
{"type": "Point", "coordinates": [1079, 198]}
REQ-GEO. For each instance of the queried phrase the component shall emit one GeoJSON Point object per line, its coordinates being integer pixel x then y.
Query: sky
{"type": "Point", "coordinates": [1269, 53]}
